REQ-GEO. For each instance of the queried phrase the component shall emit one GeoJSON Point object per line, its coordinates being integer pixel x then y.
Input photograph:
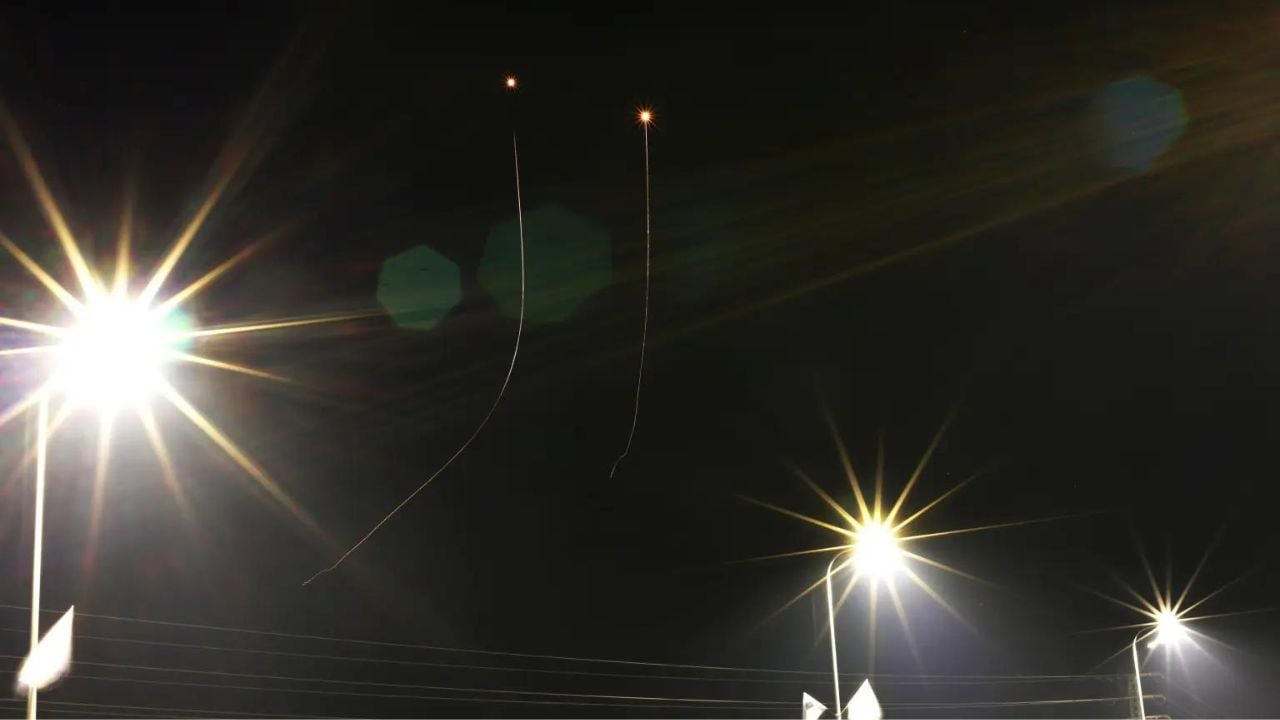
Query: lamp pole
{"type": "Point", "coordinates": [37, 548]}
{"type": "Point", "coordinates": [1137, 677]}
{"type": "Point", "coordinates": [831, 627]}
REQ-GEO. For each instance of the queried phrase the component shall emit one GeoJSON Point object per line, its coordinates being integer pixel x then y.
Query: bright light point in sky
{"type": "Point", "coordinates": [1169, 629]}
{"type": "Point", "coordinates": [646, 116]}
{"type": "Point", "coordinates": [511, 81]}
{"type": "Point", "coordinates": [876, 552]}
{"type": "Point", "coordinates": [113, 356]}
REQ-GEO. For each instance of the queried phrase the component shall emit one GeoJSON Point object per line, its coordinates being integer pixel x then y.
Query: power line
{"type": "Point", "coordinates": [881, 679]}
{"type": "Point", "coordinates": [638, 702]}
{"type": "Point", "coordinates": [539, 656]}
{"type": "Point", "coordinates": [444, 688]}
{"type": "Point", "coordinates": [1015, 703]}
{"type": "Point", "coordinates": [434, 698]}
{"type": "Point", "coordinates": [166, 711]}
{"type": "Point", "coordinates": [96, 712]}
{"type": "Point", "coordinates": [413, 646]}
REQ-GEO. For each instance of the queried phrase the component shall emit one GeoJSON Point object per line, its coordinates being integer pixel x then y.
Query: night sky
{"type": "Point", "coordinates": [1056, 223]}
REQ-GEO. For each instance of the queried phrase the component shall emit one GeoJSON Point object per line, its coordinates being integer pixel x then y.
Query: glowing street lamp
{"type": "Point", "coordinates": [111, 353]}
{"type": "Point", "coordinates": [113, 356]}
{"type": "Point", "coordinates": [1167, 616]}
{"type": "Point", "coordinates": [876, 541]}
{"type": "Point", "coordinates": [876, 555]}
{"type": "Point", "coordinates": [1168, 631]}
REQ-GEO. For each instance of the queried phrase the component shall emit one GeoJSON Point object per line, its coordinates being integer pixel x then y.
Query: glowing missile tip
{"type": "Point", "coordinates": [646, 117]}
{"type": "Point", "coordinates": [511, 82]}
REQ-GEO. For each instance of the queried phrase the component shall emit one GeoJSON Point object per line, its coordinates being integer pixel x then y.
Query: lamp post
{"type": "Point", "coordinates": [110, 358]}
{"type": "Point", "coordinates": [876, 553]}
{"type": "Point", "coordinates": [1169, 630]}
{"type": "Point", "coordinates": [831, 628]}
{"type": "Point", "coordinates": [1137, 677]}
{"type": "Point", "coordinates": [37, 547]}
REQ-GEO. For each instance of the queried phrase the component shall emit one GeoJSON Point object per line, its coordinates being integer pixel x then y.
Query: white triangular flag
{"type": "Point", "coordinates": [52, 656]}
{"type": "Point", "coordinates": [863, 705]}
{"type": "Point", "coordinates": [811, 708]}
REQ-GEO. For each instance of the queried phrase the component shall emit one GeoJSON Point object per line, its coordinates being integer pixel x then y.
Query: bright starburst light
{"type": "Point", "coordinates": [113, 355]}
{"type": "Point", "coordinates": [109, 351]}
{"type": "Point", "coordinates": [1169, 630]}
{"type": "Point", "coordinates": [874, 542]}
{"type": "Point", "coordinates": [1167, 616]}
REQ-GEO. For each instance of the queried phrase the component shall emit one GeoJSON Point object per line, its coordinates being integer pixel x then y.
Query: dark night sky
{"type": "Point", "coordinates": [908, 207]}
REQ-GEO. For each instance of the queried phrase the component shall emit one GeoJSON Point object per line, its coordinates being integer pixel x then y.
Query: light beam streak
{"type": "Point", "coordinates": [161, 450]}
{"type": "Point", "coordinates": [30, 350]}
{"type": "Point", "coordinates": [845, 462]}
{"type": "Point", "coordinates": [812, 521]}
{"type": "Point", "coordinates": [817, 489]}
{"type": "Point", "coordinates": [232, 367]}
{"type": "Point", "coordinates": [53, 286]}
{"type": "Point", "coordinates": [124, 240]}
{"type": "Point", "coordinates": [992, 526]}
{"type": "Point", "coordinates": [938, 500]}
{"type": "Point", "coordinates": [33, 327]}
{"type": "Point", "coordinates": [235, 155]}
{"type": "Point", "coordinates": [105, 426]}
{"type": "Point", "coordinates": [47, 204]}
{"type": "Point", "coordinates": [924, 460]}
{"type": "Point", "coordinates": [274, 325]}
{"type": "Point", "coordinates": [218, 271]}
{"type": "Point", "coordinates": [22, 405]}
{"type": "Point", "coordinates": [796, 553]}
{"type": "Point", "coordinates": [244, 461]}
{"type": "Point", "coordinates": [906, 624]}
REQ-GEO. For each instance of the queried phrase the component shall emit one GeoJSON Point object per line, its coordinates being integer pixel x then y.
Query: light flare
{"type": "Point", "coordinates": [877, 552]}
{"type": "Point", "coordinates": [1169, 629]}
{"type": "Point", "coordinates": [112, 351]}
{"type": "Point", "coordinates": [878, 544]}
{"type": "Point", "coordinates": [1167, 621]}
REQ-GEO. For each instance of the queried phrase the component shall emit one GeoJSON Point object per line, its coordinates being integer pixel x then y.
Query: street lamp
{"type": "Point", "coordinates": [877, 538]}
{"type": "Point", "coordinates": [877, 555]}
{"type": "Point", "coordinates": [1169, 631]}
{"type": "Point", "coordinates": [111, 357]}
{"type": "Point", "coordinates": [111, 354]}
{"type": "Point", "coordinates": [1167, 616]}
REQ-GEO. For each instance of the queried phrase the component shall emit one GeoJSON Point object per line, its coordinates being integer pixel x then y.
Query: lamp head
{"type": "Point", "coordinates": [877, 551]}
{"type": "Point", "coordinates": [113, 356]}
{"type": "Point", "coordinates": [1169, 629]}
